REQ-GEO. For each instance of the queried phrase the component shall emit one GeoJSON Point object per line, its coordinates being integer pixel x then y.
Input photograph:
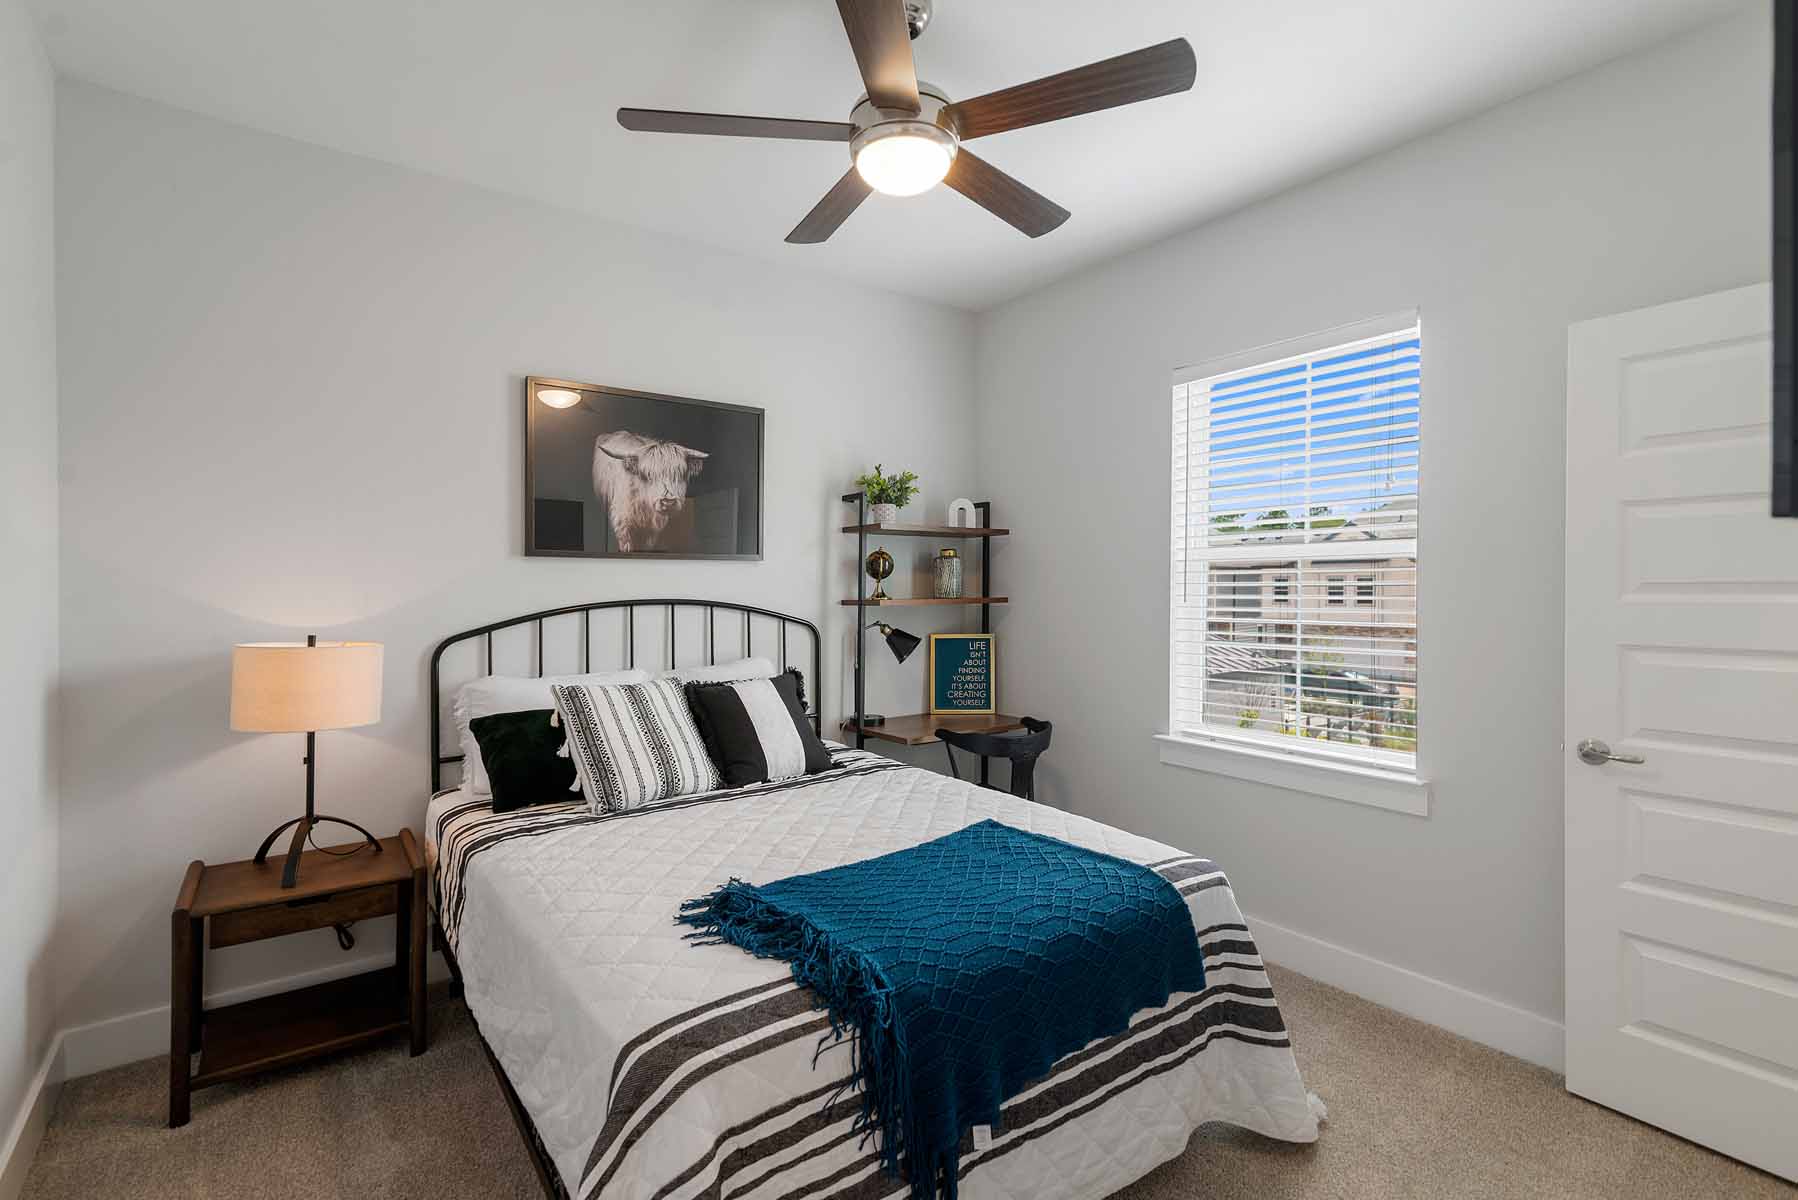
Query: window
{"type": "Point", "coordinates": [1297, 468]}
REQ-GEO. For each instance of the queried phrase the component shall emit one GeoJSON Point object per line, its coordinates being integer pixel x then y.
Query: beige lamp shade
{"type": "Point", "coordinates": [290, 687]}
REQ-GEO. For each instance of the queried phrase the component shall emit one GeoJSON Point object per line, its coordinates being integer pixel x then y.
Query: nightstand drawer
{"type": "Point", "coordinates": [295, 916]}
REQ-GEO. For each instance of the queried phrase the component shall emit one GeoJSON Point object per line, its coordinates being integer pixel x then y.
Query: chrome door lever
{"type": "Point", "coordinates": [1595, 753]}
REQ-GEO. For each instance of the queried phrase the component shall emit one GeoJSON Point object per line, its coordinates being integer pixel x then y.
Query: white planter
{"type": "Point", "coordinates": [883, 514]}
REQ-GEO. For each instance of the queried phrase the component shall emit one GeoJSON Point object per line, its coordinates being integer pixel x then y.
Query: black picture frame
{"type": "Point", "coordinates": [693, 470]}
{"type": "Point", "coordinates": [1785, 259]}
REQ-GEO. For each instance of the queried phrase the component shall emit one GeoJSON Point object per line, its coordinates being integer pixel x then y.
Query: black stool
{"type": "Point", "coordinates": [1022, 749]}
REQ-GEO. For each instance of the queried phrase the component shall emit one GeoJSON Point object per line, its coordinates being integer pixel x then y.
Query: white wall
{"type": "Point", "coordinates": [28, 551]}
{"type": "Point", "coordinates": [1641, 182]}
{"type": "Point", "coordinates": [294, 383]}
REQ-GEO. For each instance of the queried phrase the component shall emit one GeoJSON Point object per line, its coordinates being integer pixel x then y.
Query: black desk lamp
{"type": "Point", "coordinates": [901, 644]}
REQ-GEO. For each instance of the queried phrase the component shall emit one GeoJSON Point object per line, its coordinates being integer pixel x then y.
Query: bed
{"type": "Point", "coordinates": [641, 1066]}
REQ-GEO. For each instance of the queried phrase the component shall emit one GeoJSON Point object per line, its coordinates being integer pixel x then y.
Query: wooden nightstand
{"type": "Point", "coordinates": [246, 903]}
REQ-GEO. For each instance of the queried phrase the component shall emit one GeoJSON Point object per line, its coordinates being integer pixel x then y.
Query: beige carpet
{"type": "Point", "coordinates": [1414, 1112]}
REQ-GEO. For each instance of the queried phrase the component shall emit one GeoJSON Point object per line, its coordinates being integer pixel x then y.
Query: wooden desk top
{"type": "Point", "coordinates": [210, 889]}
{"type": "Point", "coordinates": [919, 729]}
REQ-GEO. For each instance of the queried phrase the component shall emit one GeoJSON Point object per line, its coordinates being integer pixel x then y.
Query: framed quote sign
{"type": "Point", "coordinates": [961, 673]}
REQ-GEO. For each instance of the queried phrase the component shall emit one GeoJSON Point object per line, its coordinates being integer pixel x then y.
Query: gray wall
{"type": "Point", "coordinates": [28, 617]}
{"type": "Point", "coordinates": [296, 383]}
{"type": "Point", "coordinates": [1641, 182]}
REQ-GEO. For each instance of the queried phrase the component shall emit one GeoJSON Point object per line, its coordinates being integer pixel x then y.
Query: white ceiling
{"type": "Point", "coordinates": [519, 95]}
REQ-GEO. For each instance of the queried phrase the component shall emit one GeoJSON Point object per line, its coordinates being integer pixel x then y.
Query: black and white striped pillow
{"type": "Point", "coordinates": [757, 730]}
{"type": "Point", "coordinates": [633, 743]}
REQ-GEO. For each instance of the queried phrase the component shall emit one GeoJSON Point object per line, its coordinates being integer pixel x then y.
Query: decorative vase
{"type": "Point", "coordinates": [948, 574]}
{"type": "Point", "coordinates": [883, 514]}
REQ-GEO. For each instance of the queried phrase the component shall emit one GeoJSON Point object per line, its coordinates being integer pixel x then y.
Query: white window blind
{"type": "Point", "coordinates": [1294, 550]}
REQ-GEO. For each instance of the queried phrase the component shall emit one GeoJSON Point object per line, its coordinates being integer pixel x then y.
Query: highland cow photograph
{"type": "Point", "coordinates": [613, 473]}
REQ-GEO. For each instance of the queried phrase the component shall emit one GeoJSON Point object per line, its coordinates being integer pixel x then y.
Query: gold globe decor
{"type": "Point", "coordinates": [880, 565]}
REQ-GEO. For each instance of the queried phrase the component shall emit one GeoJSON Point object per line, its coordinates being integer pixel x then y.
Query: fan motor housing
{"type": "Point", "coordinates": [874, 123]}
{"type": "Point", "coordinates": [917, 16]}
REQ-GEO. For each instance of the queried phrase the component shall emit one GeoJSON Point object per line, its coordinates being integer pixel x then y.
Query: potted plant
{"type": "Point", "coordinates": [887, 494]}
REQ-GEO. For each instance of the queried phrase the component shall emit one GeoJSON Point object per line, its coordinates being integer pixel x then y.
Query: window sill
{"type": "Point", "coordinates": [1397, 791]}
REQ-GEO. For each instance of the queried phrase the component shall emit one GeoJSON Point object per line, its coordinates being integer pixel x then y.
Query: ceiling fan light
{"type": "Point", "coordinates": [905, 158]}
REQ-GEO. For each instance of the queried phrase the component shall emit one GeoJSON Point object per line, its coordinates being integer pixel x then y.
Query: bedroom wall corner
{"type": "Point", "coordinates": [301, 382]}
{"type": "Point", "coordinates": [28, 601]}
{"type": "Point", "coordinates": [1641, 181]}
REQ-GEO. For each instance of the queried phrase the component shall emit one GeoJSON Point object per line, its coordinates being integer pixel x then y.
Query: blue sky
{"type": "Point", "coordinates": [1370, 395]}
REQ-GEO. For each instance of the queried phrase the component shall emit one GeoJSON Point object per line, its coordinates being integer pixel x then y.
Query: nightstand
{"type": "Point", "coordinates": [233, 903]}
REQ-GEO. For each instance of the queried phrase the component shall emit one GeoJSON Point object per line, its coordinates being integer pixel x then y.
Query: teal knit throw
{"type": "Point", "coordinates": [962, 969]}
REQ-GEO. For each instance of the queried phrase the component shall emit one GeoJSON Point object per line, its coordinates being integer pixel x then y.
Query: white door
{"type": "Point", "coordinates": [1682, 651]}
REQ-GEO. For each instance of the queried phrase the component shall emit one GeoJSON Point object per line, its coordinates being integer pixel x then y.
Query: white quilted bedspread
{"type": "Point", "coordinates": [564, 928]}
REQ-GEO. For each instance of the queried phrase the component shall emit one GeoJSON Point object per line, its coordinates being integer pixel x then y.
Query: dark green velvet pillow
{"type": "Point", "coordinates": [519, 751]}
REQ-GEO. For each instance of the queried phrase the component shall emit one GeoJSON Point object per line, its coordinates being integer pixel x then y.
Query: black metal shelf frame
{"type": "Point", "coordinates": [860, 500]}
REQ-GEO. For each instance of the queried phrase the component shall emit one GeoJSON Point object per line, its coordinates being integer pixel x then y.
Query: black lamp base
{"type": "Point", "coordinates": [302, 829]}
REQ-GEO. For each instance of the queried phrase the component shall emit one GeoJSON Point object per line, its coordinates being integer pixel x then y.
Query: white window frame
{"type": "Point", "coordinates": [1275, 759]}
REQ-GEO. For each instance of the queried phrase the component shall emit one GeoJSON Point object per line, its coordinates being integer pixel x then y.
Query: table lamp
{"type": "Point", "coordinates": [901, 644]}
{"type": "Point", "coordinates": [286, 687]}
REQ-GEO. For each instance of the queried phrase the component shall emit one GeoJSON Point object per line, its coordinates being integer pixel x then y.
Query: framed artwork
{"type": "Point", "coordinates": [962, 673]}
{"type": "Point", "coordinates": [615, 473]}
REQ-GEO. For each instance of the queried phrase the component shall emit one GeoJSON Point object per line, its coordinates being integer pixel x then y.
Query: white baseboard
{"type": "Point", "coordinates": [28, 1126]}
{"type": "Point", "coordinates": [1527, 1035]}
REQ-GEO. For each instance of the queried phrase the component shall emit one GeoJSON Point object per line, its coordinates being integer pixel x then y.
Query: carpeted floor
{"type": "Point", "coordinates": [1414, 1112]}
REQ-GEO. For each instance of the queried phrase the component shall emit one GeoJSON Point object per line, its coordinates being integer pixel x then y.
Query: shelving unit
{"type": "Point", "coordinates": [931, 531]}
{"type": "Point", "coordinates": [919, 729]}
{"type": "Point", "coordinates": [890, 601]}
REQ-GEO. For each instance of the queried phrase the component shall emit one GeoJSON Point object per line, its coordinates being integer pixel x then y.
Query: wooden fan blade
{"type": "Point", "coordinates": [832, 211]}
{"type": "Point", "coordinates": [992, 189]}
{"type": "Point", "coordinates": [1140, 75]}
{"type": "Point", "coordinates": [882, 44]}
{"type": "Point", "coordinates": [661, 120]}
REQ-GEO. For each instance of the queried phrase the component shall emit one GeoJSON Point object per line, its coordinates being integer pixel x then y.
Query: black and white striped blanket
{"type": "Point", "coordinates": [655, 1069]}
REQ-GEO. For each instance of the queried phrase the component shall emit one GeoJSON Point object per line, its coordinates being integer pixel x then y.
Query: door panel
{"type": "Point", "coordinates": [1682, 647]}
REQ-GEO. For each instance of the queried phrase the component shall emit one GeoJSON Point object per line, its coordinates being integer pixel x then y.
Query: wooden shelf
{"type": "Point", "coordinates": [933, 531]}
{"type": "Point", "coordinates": [891, 600]}
{"type": "Point", "coordinates": [290, 1027]}
{"type": "Point", "coordinates": [919, 729]}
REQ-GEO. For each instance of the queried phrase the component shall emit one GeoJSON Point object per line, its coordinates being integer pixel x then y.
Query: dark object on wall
{"type": "Point", "coordinates": [1022, 749]}
{"type": "Point", "coordinates": [613, 473]}
{"type": "Point", "coordinates": [559, 525]}
{"type": "Point", "coordinates": [1785, 261]}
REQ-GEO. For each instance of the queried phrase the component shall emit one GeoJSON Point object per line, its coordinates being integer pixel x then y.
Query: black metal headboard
{"type": "Point", "coordinates": [671, 609]}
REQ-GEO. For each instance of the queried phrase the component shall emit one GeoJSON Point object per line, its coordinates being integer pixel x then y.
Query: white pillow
{"type": "Point", "coordinates": [730, 672]}
{"type": "Point", "coordinates": [511, 693]}
{"type": "Point", "coordinates": [634, 744]}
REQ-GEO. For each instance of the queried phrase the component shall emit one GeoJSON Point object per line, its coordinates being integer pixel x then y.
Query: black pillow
{"type": "Point", "coordinates": [727, 716]}
{"type": "Point", "coordinates": [519, 752]}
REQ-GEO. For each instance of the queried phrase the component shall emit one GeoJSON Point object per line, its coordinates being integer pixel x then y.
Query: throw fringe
{"type": "Point", "coordinates": [855, 992]}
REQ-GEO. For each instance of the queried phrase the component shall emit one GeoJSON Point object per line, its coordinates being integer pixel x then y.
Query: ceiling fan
{"type": "Point", "coordinates": [905, 136]}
